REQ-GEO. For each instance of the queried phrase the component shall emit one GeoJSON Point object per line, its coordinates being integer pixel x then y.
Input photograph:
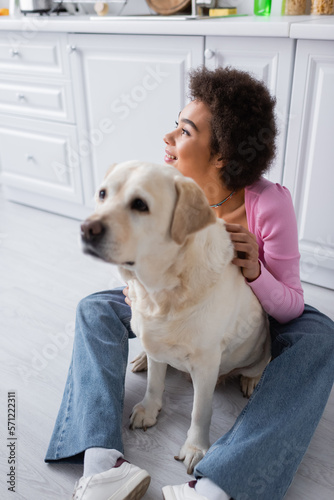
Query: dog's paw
{"type": "Point", "coordinates": [190, 455]}
{"type": "Point", "coordinates": [143, 417]}
{"type": "Point", "coordinates": [140, 363]}
{"type": "Point", "coordinates": [248, 385]}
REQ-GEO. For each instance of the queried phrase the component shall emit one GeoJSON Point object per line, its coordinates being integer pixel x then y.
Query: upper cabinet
{"type": "Point", "coordinates": [268, 59]}
{"type": "Point", "coordinates": [309, 164]}
{"type": "Point", "coordinates": [129, 90]}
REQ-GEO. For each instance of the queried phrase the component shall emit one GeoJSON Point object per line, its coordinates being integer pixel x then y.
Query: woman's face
{"type": "Point", "coordinates": [188, 146]}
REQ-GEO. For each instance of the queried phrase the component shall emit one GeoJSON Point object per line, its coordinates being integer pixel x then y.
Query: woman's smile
{"type": "Point", "coordinates": [169, 157]}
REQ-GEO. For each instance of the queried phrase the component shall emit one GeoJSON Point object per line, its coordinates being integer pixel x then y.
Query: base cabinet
{"type": "Point", "coordinates": [309, 165]}
{"type": "Point", "coordinates": [129, 90]}
{"type": "Point", "coordinates": [37, 123]}
{"type": "Point", "coordinates": [36, 157]}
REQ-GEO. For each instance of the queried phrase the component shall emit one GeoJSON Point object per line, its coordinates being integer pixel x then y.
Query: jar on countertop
{"type": "Point", "coordinates": [293, 7]}
{"type": "Point", "coordinates": [322, 7]}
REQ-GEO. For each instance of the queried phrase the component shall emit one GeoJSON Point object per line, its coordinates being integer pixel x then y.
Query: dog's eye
{"type": "Point", "coordinates": [102, 194]}
{"type": "Point", "coordinates": [139, 205]}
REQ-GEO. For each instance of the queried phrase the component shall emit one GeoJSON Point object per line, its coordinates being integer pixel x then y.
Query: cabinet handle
{"type": "Point", "coordinates": [29, 157]}
{"type": "Point", "coordinates": [21, 97]}
{"type": "Point", "coordinates": [14, 52]}
{"type": "Point", "coordinates": [209, 53]}
{"type": "Point", "coordinates": [71, 48]}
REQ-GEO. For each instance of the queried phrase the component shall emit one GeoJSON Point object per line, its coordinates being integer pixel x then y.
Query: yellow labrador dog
{"type": "Point", "coordinates": [191, 307]}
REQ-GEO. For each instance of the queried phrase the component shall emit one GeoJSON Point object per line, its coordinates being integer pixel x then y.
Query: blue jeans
{"type": "Point", "coordinates": [258, 457]}
{"type": "Point", "coordinates": [91, 411]}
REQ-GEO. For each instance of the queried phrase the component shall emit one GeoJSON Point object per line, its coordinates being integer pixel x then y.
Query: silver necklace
{"type": "Point", "coordinates": [225, 199]}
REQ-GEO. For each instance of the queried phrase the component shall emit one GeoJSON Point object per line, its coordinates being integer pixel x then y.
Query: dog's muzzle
{"type": "Point", "coordinates": [92, 232]}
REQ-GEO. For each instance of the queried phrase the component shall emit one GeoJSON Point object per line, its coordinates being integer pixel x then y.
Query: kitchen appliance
{"type": "Point", "coordinates": [39, 6]}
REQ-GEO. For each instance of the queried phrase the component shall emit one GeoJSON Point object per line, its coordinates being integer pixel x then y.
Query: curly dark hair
{"type": "Point", "coordinates": [243, 122]}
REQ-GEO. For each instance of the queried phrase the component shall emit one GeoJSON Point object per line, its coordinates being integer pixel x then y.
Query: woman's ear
{"type": "Point", "coordinates": [192, 210]}
{"type": "Point", "coordinates": [218, 161]}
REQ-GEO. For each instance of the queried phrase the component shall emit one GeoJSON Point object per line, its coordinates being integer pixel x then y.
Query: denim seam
{"type": "Point", "coordinates": [283, 341]}
{"type": "Point", "coordinates": [62, 431]}
{"type": "Point", "coordinates": [124, 343]}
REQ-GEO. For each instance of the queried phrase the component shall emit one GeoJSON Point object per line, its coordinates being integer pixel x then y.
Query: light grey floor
{"type": "Point", "coordinates": [43, 275]}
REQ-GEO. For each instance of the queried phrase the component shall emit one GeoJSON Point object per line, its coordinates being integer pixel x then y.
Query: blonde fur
{"type": "Point", "coordinates": [191, 307]}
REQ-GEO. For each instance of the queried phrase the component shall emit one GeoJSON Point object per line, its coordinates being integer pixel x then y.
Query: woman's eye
{"type": "Point", "coordinates": [183, 130]}
{"type": "Point", "coordinates": [102, 194]}
{"type": "Point", "coordinates": [139, 205]}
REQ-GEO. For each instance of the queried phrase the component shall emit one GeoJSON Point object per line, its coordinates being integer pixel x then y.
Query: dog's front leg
{"type": "Point", "coordinates": [197, 442]}
{"type": "Point", "coordinates": [145, 413]}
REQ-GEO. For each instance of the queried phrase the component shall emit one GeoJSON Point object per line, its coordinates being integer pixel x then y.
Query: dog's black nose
{"type": "Point", "coordinates": [92, 231]}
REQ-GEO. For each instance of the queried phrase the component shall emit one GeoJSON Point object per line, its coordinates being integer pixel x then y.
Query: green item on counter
{"type": "Point", "coordinates": [262, 7]}
{"type": "Point", "coordinates": [283, 8]}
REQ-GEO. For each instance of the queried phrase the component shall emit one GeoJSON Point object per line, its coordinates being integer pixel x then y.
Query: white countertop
{"type": "Point", "coordinates": [272, 26]}
{"type": "Point", "coordinates": [318, 28]}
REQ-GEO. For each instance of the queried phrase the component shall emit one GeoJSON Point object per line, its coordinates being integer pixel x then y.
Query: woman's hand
{"type": "Point", "coordinates": [126, 293]}
{"type": "Point", "coordinates": [245, 242]}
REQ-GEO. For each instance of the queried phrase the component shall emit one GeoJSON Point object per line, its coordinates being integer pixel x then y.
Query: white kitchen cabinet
{"type": "Point", "coordinates": [309, 164]}
{"type": "Point", "coordinates": [39, 99]}
{"type": "Point", "coordinates": [270, 60]}
{"type": "Point", "coordinates": [128, 92]}
{"type": "Point", "coordinates": [38, 137]}
{"type": "Point", "coordinates": [36, 158]}
{"type": "Point", "coordinates": [34, 54]}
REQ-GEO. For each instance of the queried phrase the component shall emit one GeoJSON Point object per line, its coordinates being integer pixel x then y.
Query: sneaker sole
{"type": "Point", "coordinates": [135, 489]}
{"type": "Point", "coordinates": [168, 493]}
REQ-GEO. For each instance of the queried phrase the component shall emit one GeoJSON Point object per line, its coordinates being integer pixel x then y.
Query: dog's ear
{"type": "Point", "coordinates": [110, 169]}
{"type": "Point", "coordinates": [192, 210]}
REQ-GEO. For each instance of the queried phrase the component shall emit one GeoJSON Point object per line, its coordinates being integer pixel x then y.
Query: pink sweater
{"type": "Point", "coordinates": [271, 218]}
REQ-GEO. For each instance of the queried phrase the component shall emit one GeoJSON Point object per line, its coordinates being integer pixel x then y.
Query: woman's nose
{"type": "Point", "coordinates": [168, 138]}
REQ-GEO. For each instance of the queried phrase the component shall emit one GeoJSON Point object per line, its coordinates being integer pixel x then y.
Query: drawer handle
{"type": "Point", "coordinates": [71, 48]}
{"type": "Point", "coordinates": [29, 157]}
{"type": "Point", "coordinates": [14, 52]}
{"type": "Point", "coordinates": [21, 97]}
{"type": "Point", "coordinates": [209, 53]}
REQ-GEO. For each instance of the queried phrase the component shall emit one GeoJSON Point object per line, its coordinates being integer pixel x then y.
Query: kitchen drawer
{"type": "Point", "coordinates": [41, 54]}
{"type": "Point", "coordinates": [37, 100]}
{"type": "Point", "coordinates": [40, 157]}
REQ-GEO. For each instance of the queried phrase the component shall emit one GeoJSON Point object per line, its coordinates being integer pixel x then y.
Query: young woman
{"type": "Point", "coordinates": [225, 141]}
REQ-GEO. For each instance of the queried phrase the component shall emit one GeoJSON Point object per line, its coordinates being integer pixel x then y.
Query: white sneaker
{"type": "Point", "coordinates": [123, 482]}
{"type": "Point", "coordinates": [182, 492]}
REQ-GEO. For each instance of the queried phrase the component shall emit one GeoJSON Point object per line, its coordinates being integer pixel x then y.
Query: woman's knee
{"type": "Point", "coordinates": [319, 347]}
{"type": "Point", "coordinates": [99, 316]}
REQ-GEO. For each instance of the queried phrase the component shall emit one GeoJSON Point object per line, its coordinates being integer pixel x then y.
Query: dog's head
{"type": "Point", "coordinates": [143, 210]}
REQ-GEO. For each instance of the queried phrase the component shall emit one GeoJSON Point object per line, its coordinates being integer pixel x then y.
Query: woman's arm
{"type": "Point", "coordinates": [271, 264]}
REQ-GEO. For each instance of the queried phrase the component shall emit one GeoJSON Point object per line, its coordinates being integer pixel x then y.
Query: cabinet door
{"type": "Point", "coordinates": [129, 91]}
{"type": "Point", "coordinates": [309, 172]}
{"type": "Point", "coordinates": [270, 60]}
